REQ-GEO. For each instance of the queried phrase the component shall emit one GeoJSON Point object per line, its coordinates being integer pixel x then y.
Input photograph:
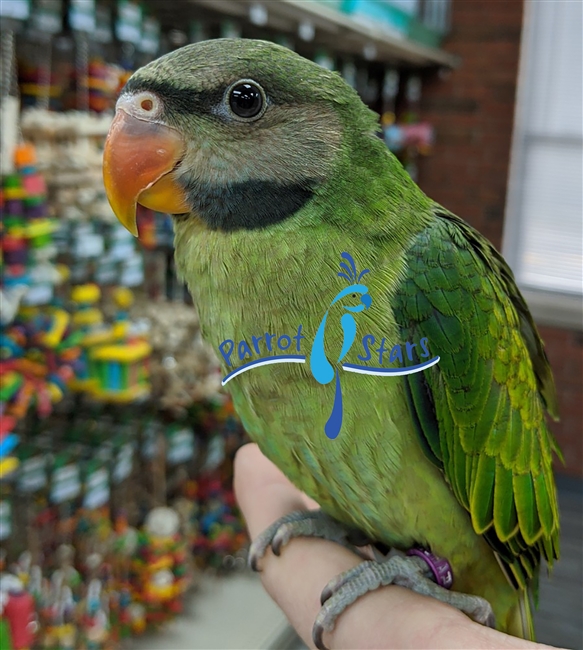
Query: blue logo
{"type": "Point", "coordinates": [353, 299]}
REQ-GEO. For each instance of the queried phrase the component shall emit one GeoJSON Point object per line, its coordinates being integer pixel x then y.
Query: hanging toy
{"type": "Point", "coordinates": [21, 568]}
{"type": "Point", "coordinates": [38, 354]}
{"type": "Point", "coordinates": [13, 245]}
{"type": "Point", "coordinates": [33, 183]}
{"type": "Point", "coordinates": [392, 133]}
{"type": "Point", "coordinates": [137, 617]}
{"type": "Point", "coordinates": [88, 316]}
{"type": "Point", "coordinates": [88, 320]}
{"type": "Point", "coordinates": [419, 136]}
{"type": "Point", "coordinates": [124, 299]}
{"type": "Point", "coordinates": [123, 549]}
{"type": "Point", "coordinates": [65, 556]}
{"type": "Point", "coordinates": [8, 441]}
{"type": "Point", "coordinates": [37, 229]}
{"type": "Point", "coordinates": [163, 558]}
{"type": "Point", "coordinates": [10, 299]}
{"type": "Point", "coordinates": [5, 637]}
{"type": "Point", "coordinates": [95, 621]}
{"type": "Point", "coordinates": [394, 137]}
{"type": "Point", "coordinates": [65, 630]}
{"type": "Point", "coordinates": [19, 610]}
{"type": "Point", "coordinates": [101, 88]}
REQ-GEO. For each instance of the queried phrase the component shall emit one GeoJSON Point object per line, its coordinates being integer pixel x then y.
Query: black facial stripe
{"type": "Point", "coordinates": [181, 100]}
{"type": "Point", "coordinates": [248, 205]}
{"type": "Point", "coordinates": [187, 101]}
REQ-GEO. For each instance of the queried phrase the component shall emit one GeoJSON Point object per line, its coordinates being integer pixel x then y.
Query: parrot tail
{"type": "Point", "coordinates": [520, 619]}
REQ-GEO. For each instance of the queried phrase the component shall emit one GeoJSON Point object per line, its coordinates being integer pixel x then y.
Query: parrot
{"type": "Point", "coordinates": [271, 168]}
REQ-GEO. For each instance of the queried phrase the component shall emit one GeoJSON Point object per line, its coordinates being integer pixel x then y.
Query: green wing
{"type": "Point", "coordinates": [480, 411]}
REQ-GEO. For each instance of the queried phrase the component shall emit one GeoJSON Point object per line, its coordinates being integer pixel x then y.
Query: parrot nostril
{"type": "Point", "coordinates": [144, 105]}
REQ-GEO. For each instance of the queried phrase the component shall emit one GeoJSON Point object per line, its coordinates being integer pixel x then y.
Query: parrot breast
{"type": "Point", "coordinates": [374, 476]}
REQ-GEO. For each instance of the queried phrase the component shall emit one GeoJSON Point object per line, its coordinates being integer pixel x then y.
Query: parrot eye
{"type": "Point", "coordinates": [246, 99]}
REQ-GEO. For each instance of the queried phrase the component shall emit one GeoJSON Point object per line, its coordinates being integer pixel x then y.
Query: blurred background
{"type": "Point", "coordinates": [118, 526]}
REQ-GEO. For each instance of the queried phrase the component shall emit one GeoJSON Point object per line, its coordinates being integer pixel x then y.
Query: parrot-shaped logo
{"type": "Point", "coordinates": [322, 370]}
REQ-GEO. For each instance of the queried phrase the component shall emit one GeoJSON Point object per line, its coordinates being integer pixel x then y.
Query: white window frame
{"type": "Point", "coordinates": [548, 307]}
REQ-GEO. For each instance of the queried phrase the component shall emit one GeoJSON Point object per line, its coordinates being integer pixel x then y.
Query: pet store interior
{"type": "Point", "coordinates": [118, 523]}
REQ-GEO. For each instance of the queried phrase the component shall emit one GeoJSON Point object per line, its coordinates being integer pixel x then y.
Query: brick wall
{"type": "Point", "coordinates": [565, 351]}
{"type": "Point", "coordinates": [472, 109]}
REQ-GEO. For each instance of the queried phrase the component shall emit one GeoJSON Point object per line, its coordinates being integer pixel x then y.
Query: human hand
{"type": "Point", "coordinates": [390, 617]}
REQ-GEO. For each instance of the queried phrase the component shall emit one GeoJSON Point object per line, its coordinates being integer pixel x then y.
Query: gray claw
{"type": "Point", "coordinates": [281, 538]}
{"type": "Point", "coordinates": [301, 523]}
{"type": "Point", "coordinates": [261, 544]}
{"type": "Point", "coordinates": [317, 635]}
{"type": "Point", "coordinates": [410, 572]}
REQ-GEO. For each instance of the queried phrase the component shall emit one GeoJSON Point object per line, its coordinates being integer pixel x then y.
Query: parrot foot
{"type": "Point", "coordinates": [411, 572]}
{"type": "Point", "coordinates": [303, 523]}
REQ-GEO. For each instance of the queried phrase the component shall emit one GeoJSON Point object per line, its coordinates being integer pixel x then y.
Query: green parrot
{"type": "Point", "coordinates": [272, 168]}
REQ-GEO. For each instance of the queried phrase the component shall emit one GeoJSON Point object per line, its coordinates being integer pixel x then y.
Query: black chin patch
{"type": "Point", "coordinates": [248, 205]}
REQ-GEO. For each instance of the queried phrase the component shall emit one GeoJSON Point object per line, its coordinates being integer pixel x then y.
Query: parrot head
{"type": "Point", "coordinates": [236, 133]}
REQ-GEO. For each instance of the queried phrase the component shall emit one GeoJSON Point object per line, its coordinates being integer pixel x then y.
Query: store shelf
{"type": "Point", "coordinates": [338, 30]}
{"type": "Point", "coordinates": [233, 612]}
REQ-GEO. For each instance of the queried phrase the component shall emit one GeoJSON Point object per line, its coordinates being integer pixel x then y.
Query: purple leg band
{"type": "Point", "coordinates": [439, 566]}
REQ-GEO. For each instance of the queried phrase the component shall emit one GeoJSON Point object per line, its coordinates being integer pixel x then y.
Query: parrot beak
{"type": "Point", "coordinates": [138, 157]}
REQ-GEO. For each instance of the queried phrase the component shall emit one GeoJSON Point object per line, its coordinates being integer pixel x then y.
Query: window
{"type": "Point", "coordinates": [543, 236]}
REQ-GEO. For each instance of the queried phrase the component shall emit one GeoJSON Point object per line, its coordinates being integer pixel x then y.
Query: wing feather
{"type": "Point", "coordinates": [480, 411]}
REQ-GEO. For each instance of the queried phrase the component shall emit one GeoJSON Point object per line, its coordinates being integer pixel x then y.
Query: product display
{"type": "Point", "coordinates": [89, 579]}
{"type": "Point", "coordinates": [105, 561]}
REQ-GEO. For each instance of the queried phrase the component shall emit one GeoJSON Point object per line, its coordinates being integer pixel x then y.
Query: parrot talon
{"type": "Point", "coordinates": [411, 572]}
{"type": "Point", "coordinates": [279, 539]}
{"type": "Point", "coordinates": [301, 523]}
{"type": "Point", "coordinates": [253, 564]}
{"type": "Point", "coordinates": [318, 635]}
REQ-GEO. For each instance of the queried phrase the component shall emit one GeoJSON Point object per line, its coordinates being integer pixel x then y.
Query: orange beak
{"type": "Point", "coordinates": [137, 160]}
